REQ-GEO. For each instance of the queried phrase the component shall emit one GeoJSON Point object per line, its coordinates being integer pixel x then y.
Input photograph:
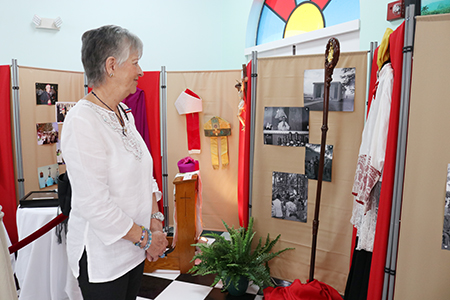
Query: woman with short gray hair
{"type": "Point", "coordinates": [114, 223]}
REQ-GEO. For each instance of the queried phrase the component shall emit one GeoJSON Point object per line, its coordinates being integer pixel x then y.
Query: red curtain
{"type": "Point", "coordinates": [7, 185]}
{"type": "Point", "coordinates": [384, 209]}
{"type": "Point", "coordinates": [244, 155]}
{"type": "Point", "coordinates": [149, 83]}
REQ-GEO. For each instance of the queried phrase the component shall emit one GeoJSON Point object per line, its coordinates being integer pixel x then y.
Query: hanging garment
{"type": "Point", "coordinates": [190, 104]}
{"type": "Point", "coordinates": [365, 281]}
{"type": "Point", "coordinates": [217, 128]}
{"type": "Point", "coordinates": [136, 104]}
{"type": "Point", "coordinates": [150, 84]}
{"type": "Point", "coordinates": [371, 160]}
{"type": "Point", "coordinates": [373, 145]}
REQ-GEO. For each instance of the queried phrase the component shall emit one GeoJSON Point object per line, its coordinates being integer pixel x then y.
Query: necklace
{"type": "Point", "coordinates": [119, 116]}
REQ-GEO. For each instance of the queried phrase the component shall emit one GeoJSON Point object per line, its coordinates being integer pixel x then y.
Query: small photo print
{"type": "Point", "coordinates": [47, 133]}
{"type": "Point", "coordinates": [46, 93]}
{"type": "Point", "coordinates": [61, 109]}
{"type": "Point", "coordinates": [446, 228]}
{"type": "Point", "coordinates": [48, 175]}
{"type": "Point", "coordinates": [342, 89]}
{"type": "Point", "coordinates": [59, 157]}
{"type": "Point", "coordinates": [286, 126]}
{"type": "Point", "coordinates": [289, 196]}
{"type": "Point", "coordinates": [312, 158]}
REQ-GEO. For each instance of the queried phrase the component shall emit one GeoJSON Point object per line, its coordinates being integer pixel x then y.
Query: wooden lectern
{"type": "Point", "coordinates": [180, 258]}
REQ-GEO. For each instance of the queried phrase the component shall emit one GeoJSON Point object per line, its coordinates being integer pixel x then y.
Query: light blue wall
{"type": "Point", "coordinates": [181, 35]}
{"type": "Point", "coordinates": [373, 22]}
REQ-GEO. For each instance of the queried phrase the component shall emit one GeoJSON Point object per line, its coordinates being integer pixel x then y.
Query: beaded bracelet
{"type": "Point", "coordinates": [149, 240]}
{"type": "Point", "coordinates": [142, 237]}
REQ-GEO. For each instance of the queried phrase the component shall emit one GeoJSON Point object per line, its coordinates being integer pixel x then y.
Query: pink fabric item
{"type": "Point", "coordinates": [188, 164]}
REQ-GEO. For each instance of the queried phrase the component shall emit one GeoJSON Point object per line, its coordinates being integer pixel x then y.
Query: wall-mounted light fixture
{"type": "Point", "coordinates": [46, 23]}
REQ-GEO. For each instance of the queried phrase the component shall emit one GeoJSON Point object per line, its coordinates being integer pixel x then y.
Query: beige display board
{"type": "Point", "coordinates": [220, 98]}
{"type": "Point", "coordinates": [423, 267]}
{"type": "Point", "coordinates": [280, 84]}
{"type": "Point", "coordinates": [70, 89]}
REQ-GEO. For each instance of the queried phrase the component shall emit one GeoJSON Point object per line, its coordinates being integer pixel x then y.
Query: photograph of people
{"type": "Point", "coordinates": [61, 109]}
{"type": "Point", "coordinates": [283, 124]}
{"type": "Point", "coordinates": [114, 223]}
{"type": "Point", "coordinates": [47, 133]}
{"type": "Point", "coordinates": [289, 196]}
{"type": "Point", "coordinates": [286, 126]}
{"type": "Point", "coordinates": [48, 175]}
{"type": "Point", "coordinates": [46, 93]}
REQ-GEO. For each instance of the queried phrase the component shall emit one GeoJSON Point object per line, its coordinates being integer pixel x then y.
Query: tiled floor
{"type": "Point", "coordinates": [171, 285]}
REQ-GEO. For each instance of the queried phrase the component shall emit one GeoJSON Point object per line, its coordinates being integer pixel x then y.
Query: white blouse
{"type": "Point", "coordinates": [112, 185]}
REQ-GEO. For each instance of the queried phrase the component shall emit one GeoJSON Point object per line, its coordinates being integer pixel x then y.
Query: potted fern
{"type": "Point", "coordinates": [234, 262]}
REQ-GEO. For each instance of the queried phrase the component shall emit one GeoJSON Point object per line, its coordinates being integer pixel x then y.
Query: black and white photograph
{"type": "Point", "coordinates": [342, 89]}
{"type": "Point", "coordinates": [48, 175]}
{"type": "Point", "coordinates": [446, 227]}
{"type": "Point", "coordinates": [286, 126]}
{"type": "Point", "coordinates": [61, 109]}
{"type": "Point", "coordinates": [46, 93]}
{"type": "Point", "coordinates": [289, 196]}
{"type": "Point", "coordinates": [312, 158]}
{"type": "Point", "coordinates": [47, 133]}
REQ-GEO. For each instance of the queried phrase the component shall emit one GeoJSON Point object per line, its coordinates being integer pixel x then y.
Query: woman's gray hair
{"type": "Point", "coordinates": [103, 42]}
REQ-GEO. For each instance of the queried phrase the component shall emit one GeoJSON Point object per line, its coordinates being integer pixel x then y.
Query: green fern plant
{"type": "Point", "coordinates": [231, 259]}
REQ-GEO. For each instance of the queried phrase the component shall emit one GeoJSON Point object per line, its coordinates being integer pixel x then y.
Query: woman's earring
{"type": "Point", "coordinates": [111, 75]}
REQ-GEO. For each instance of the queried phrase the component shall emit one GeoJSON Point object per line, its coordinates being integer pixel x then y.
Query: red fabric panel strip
{"type": "Point", "coordinates": [7, 178]}
{"type": "Point", "coordinates": [384, 209]}
{"type": "Point", "coordinates": [149, 83]}
{"type": "Point", "coordinates": [244, 155]}
{"type": "Point", "coordinates": [193, 131]}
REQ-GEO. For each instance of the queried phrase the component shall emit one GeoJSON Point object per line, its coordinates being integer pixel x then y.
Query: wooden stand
{"type": "Point", "coordinates": [180, 258]}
